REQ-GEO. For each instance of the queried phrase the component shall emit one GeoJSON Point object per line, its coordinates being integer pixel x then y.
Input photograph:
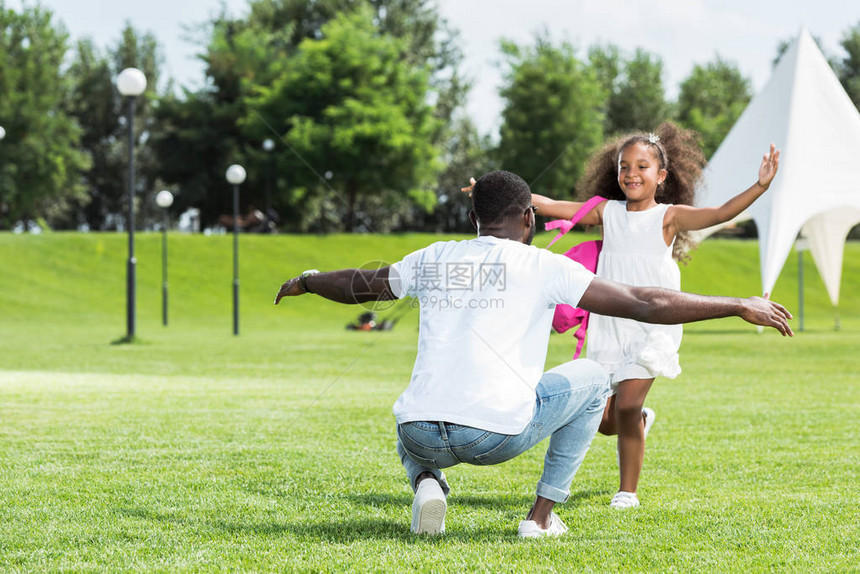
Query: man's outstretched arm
{"type": "Point", "coordinates": [349, 286]}
{"type": "Point", "coordinates": [665, 306]}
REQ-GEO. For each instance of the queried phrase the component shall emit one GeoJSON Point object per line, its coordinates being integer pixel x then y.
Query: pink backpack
{"type": "Point", "coordinates": [586, 253]}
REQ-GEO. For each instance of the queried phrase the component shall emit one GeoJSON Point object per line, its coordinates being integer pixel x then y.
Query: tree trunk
{"type": "Point", "coordinates": [352, 193]}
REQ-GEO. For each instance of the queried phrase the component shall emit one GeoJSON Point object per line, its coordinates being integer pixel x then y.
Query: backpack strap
{"type": "Point", "coordinates": [579, 335]}
{"type": "Point", "coordinates": [565, 225]}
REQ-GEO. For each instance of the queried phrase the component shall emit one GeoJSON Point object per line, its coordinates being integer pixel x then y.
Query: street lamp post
{"type": "Point", "coordinates": [800, 245]}
{"type": "Point", "coordinates": [236, 175]}
{"type": "Point", "coordinates": [269, 146]}
{"type": "Point", "coordinates": [131, 83]}
{"type": "Point", "coordinates": [2, 197]}
{"type": "Point", "coordinates": [164, 199]}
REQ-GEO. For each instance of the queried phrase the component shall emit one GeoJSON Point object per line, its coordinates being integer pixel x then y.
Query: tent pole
{"type": "Point", "coordinates": [800, 288]}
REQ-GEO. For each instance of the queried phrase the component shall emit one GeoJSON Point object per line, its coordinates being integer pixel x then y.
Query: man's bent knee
{"type": "Point", "coordinates": [582, 373]}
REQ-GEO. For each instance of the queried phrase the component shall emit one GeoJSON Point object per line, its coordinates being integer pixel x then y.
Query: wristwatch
{"type": "Point", "coordinates": [303, 279]}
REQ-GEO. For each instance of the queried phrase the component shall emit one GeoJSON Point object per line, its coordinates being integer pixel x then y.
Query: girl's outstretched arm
{"type": "Point", "coordinates": [562, 209]}
{"type": "Point", "coordinates": [670, 307]}
{"type": "Point", "coordinates": [558, 209]}
{"type": "Point", "coordinates": [687, 218]}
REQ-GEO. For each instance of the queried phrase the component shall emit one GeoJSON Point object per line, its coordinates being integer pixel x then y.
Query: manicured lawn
{"type": "Point", "coordinates": [274, 450]}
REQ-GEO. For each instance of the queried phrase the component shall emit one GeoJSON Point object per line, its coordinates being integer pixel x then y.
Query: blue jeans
{"type": "Point", "coordinates": [568, 407]}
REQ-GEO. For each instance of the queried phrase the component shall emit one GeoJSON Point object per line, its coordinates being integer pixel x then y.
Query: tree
{"type": "Point", "coordinates": [783, 45]}
{"type": "Point", "coordinates": [40, 161]}
{"type": "Point", "coordinates": [711, 100]}
{"type": "Point", "coordinates": [429, 42]}
{"type": "Point", "coordinates": [849, 67]}
{"type": "Point", "coordinates": [427, 39]}
{"type": "Point", "coordinates": [637, 101]}
{"type": "Point", "coordinates": [198, 135]}
{"type": "Point", "coordinates": [94, 104]}
{"type": "Point", "coordinates": [347, 103]}
{"type": "Point", "coordinates": [102, 114]}
{"type": "Point", "coordinates": [552, 117]}
{"type": "Point", "coordinates": [607, 64]}
{"type": "Point", "coordinates": [466, 154]}
{"type": "Point", "coordinates": [202, 130]}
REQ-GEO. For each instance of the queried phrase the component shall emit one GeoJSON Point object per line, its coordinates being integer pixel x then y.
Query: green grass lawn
{"type": "Point", "coordinates": [197, 450]}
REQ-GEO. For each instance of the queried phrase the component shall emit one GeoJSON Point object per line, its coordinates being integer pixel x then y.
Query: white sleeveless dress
{"type": "Point", "coordinates": [635, 253]}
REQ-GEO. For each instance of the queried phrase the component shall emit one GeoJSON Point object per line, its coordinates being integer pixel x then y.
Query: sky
{"type": "Point", "coordinates": [683, 33]}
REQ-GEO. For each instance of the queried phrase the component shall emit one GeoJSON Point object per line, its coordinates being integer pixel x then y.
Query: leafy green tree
{"type": "Point", "coordinates": [202, 130]}
{"type": "Point", "coordinates": [93, 102]}
{"type": "Point", "coordinates": [607, 64]}
{"type": "Point", "coordinates": [141, 51]}
{"type": "Point", "coordinates": [466, 154]}
{"type": "Point", "coordinates": [102, 114]}
{"type": "Point", "coordinates": [552, 117]}
{"type": "Point", "coordinates": [347, 103]}
{"type": "Point", "coordinates": [637, 101]}
{"type": "Point", "coordinates": [711, 100]}
{"type": "Point", "coordinates": [849, 67]}
{"type": "Point", "coordinates": [198, 133]}
{"type": "Point", "coordinates": [196, 141]}
{"type": "Point", "coordinates": [783, 45]}
{"type": "Point", "coordinates": [429, 42]}
{"type": "Point", "coordinates": [40, 161]}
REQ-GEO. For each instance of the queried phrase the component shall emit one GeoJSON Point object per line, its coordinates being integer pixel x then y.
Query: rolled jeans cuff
{"type": "Point", "coordinates": [544, 490]}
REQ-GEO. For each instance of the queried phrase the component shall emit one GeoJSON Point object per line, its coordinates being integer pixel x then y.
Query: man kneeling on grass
{"type": "Point", "coordinates": [478, 393]}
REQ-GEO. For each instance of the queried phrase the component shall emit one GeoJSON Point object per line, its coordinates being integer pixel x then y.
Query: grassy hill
{"type": "Point", "coordinates": [79, 279]}
{"type": "Point", "coordinates": [198, 450]}
{"type": "Point", "coordinates": [65, 292]}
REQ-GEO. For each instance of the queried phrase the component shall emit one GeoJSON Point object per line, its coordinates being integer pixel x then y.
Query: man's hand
{"type": "Point", "coordinates": [669, 307]}
{"type": "Point", "coordinates": [291, 288]}
{"type": "Point", "coordinates": [761, 311]}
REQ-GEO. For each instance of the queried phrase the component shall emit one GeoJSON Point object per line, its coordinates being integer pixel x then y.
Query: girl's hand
{"type": "Point", "coordinates": [470, 188]}
{"type": "Point", "coordinates": [769, 166]}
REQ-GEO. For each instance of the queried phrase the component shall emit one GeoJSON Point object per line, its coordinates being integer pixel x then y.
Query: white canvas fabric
{"type": "Point", "coordinates": [804, 110]}
{"type": "Point", "coordinates": [830, 229]}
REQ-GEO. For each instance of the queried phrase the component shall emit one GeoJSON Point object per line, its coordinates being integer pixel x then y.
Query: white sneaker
{"type": "Point", "coordinates": [650, 417]}
{"type": "Point", "coordinates": [530, 528]}
{"type": "Point", "coordinates": [624, 500]}
{"type": "Point", "coordinates": [428, 508]}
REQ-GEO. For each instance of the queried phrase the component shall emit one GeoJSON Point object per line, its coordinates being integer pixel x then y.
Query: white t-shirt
{"type": "Point", "coordinates": [486, 313]}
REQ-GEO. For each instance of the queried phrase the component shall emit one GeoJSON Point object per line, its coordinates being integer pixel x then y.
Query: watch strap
{"type": "Point", "coordinates": [303, 279]}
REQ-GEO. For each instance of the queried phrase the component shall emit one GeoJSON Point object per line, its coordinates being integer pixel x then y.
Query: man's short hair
{"type": "Point", "coordinates": [499, 195]}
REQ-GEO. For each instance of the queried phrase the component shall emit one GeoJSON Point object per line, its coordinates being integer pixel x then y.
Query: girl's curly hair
{"type": "Point", "coordinates": [679, 152]}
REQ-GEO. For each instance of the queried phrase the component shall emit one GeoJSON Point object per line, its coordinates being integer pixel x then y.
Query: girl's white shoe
{"type": "Point", "coordinates": [624, 500]}
{"type": "Point", "coordinates": [650, 416]}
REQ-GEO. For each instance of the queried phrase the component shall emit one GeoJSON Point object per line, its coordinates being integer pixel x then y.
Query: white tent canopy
{"type": "Point", "coordinates": [806, 112]}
